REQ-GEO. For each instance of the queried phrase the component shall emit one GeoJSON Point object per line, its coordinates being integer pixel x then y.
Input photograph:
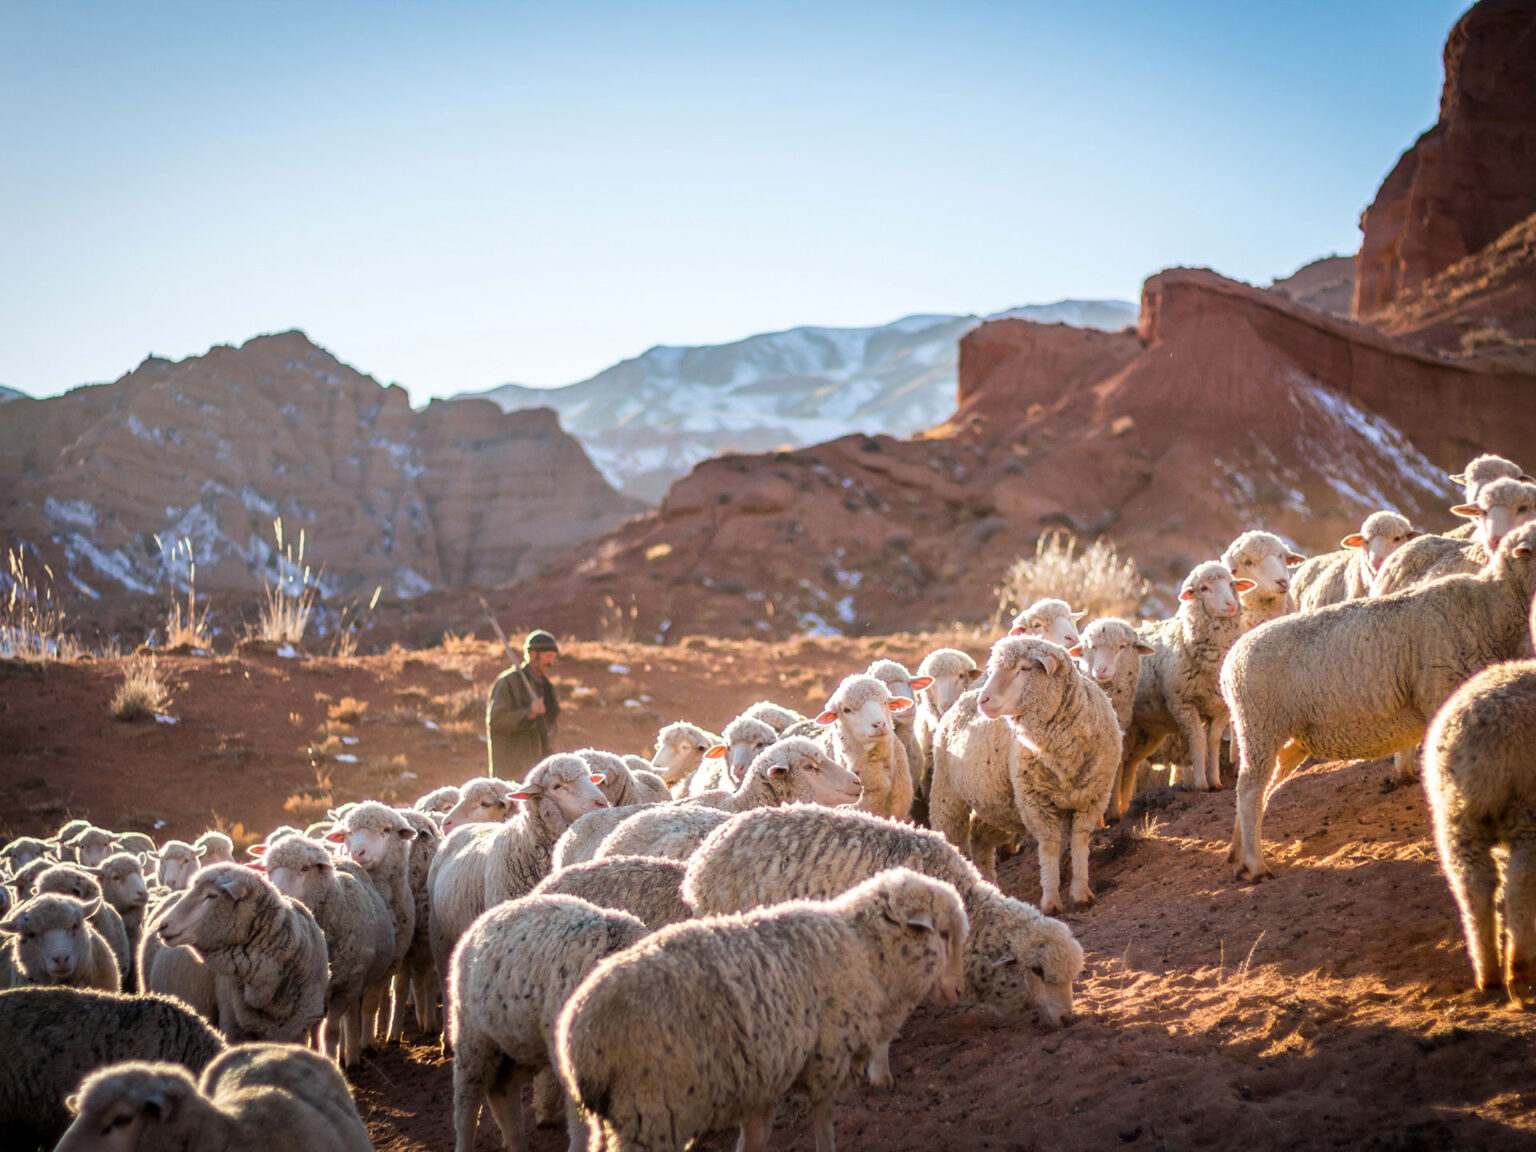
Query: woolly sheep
{"type": "Point", "coordinates": [483, 864]}
{"type": "Point", "coordinates": [726, 763]}
{"type": "Point", "coordinates": [1265, 561]}
{"type": "Point", "coordinates": [378, 839]}
{"type": "Point", "coordinates": [484, 799]}
{"type": "Point", "coordinates": [511, 975]}
{"type": "Point", "coordinates": [438, 802]}
{"type": "Point", "coordinates": [122, 885]}
{"type": "Point", "coordinates": [250, 1098]}
{"type": "Point", "coordinates": [647, 887]}
{"type": "Point", "coordinates": [73, 880]}
{"type": "Point", "coordinates": [1177, 689]}
{"type": "Point", "coordinates": [174, 971]}
{"type": "Point", "coordinates": [23, 850]}
{"type": "Point", "coordinates": [619, 784]}
{"type": "Point", "coordinates": [177, 860]}
{"type": "Point", "coordinates": [1362, 679]}
{"type": "Point", "coordinates": [1034, 749]}
{"type": "Point", "coordinates": [24, 879]}
{"type": "Point", "coordinates": [419, 976]}
{"type": "Point", "coordinates": [90, 846]}
{"type": "Point", "coordinates": [861, 734]}
{"type": "Point", "coordinates": [1485, 469]}
{"type": "Point", "coordinates": [1017, 960]}
{"type": "Point", "coordinates": [951, 674]}
{"type": "Point", "coordinates": [135, 842]}
{"type": "Point", "coordinates": [55, 944]}
{"type": "Point", "coordinates": [833, 982]}
{"type": "Point", "coordinates": [57, 1035]}
{"type": "Point", "coordinates": [580, 841]}
{"type": "Point", "coordinates": [776, 716]}
{"type": "Point", "coordinates": [265, 950]}
{"type": "Point", "coordinates": [359, 933]}
{"type": "Point", "coordinates": [1049, 619]}
{"type": "Point", "coordinates": [899, 682]}
{"type": "Point", "coordinates": [1480, 781]}
{"type": "Point", "coordinates": [680, 748]}
{"type": "Point", "coordinates": [1110, 655]}
{"type": "Point", "coordinates": [1501, 507]}
{"type": "Point", "coordinates": [214, 848]}
{"type": "Point", "coordinates": [795, 770]}
{"type": "Point", "coordinates": [1346, 574]}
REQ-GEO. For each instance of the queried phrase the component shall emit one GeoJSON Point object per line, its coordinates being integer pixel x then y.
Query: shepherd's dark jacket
{"type": "Point", "coordinates": [517, 740]}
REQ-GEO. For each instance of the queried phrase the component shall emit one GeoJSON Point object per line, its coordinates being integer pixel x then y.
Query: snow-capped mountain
{"type": "Point", "coordinates": [647, 421]}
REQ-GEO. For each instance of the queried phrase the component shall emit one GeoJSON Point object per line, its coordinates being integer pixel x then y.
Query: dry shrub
{"type": "Point", "coordinates": [183, 624]}
{"type": "Point", "coordinates": [31, 624]}
{"type": "Point", "coordinates": [1096, 579]}
{"type": "Point", "coordinates": [347, 710]}
{"type": "Point", "coordinates": [311, 805]}
{"type": "Point", "coordinates": [616, 622]}
{"type": "Point", "coordinates": [465, 704]}
{"type": "Point", "coordinates": [284, 611]}
{"type": "Point", "coordinates": [141, 694]}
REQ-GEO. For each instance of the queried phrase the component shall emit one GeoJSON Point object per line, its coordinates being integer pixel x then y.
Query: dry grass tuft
{"type": "Point", "coordinates": [31, 624]}
{"type": "Point", "coordinates": [183, 624]}
{"type": "Point", "coordinates": [616, 622]}
{"type": "Point", "coordinates": [141, 694]}
{"type": "Point", "coordinates": [284, 613]}
{"type": "Point", "coordinates": [347, 710]}
{"type": "Point", "coordinates": [1095, 578]}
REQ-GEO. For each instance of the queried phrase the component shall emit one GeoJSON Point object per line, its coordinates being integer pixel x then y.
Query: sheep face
{"type": "Point", "coordinates": [1106, 645]}
{"type": "Point", "coordinates": [177, 862]}
{"type": "Point", "coordinates": [205, 914]}
{"type": "Point", "coordinates": [69, 880]}
{"type": "Point", "coordinates": [1264, 559]}
{"type": "Point", "coordinates": [122, 881]}
{"type": "Point", "coordinates": [830, 782]}
{"type": "Point", "coordinates": [368, 845]}
{"type": "Point", "coordinates": [1051, 620]}
{"type": "Point", "coordinates": [23, 851]}
{"type": "Point", "coordinates": [1214, 591]}
{"type": "Point", "coordinates": [678, 753]}
{"type": "Point", "coordinates": [899, 683]}
{"type": "Point", "coordinates": [116, 1107]}
{"type": "Point", "coordinates": [214, 848]}
{"type": "Point", "coordinates": [439, 802]}
{"type": "Point", "coordinates": [480, 801]}
{"type": "Point", "coordinates": [1501, 507]}
{"type": "Point", "coordinates": [296, 879]}
{"type": "Point", "coordinates": [1019, 669]}
{"type": "Point", "coordinates": [743, 739]}
{"type": "Point", "coordinates": [1486, 469]}
{"type": "Point", "coordinates": [1382, 534]}
{"type": "Point", "coordinates": [865, 708]}
{"type": "Point", "coordinates": [91, 846]}
{"type": "Point", "coordinates": [52, 936]}
{"type": "Point", "coordinates": [945, 690]}
{"type": "Point", "coordinates": [566, 780]}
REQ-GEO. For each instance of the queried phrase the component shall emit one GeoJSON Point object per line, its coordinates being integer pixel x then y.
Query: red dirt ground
{"type": "Point", "coordinates": [1330, 1007]}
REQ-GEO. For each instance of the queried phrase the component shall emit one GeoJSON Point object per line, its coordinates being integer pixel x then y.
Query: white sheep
{"type": "Point", "coordinates": [83, 885]}
{"type": "Point", "coordinates": [680, 748]}
{"type": "Point", "coordinates": [647, 887]}
{"type": "Point", "coordinates": [776, 716]}
{"type": "Point", "coordinates": [901, 683]}
{"type": "Point", "coordinates": [1480, 781]}
{"type": "Point", "coordinates": [510, 976]}
{"type": "Point", "coordinates": [91, 845]}
{"type": "Point", "coordinates": [1016, 959]}
{"type": "Point", "coordinates": [420, 977]}
{"type": "Point", "coordinates": [1347, 574]}
{"type": "Point", "coordinates": [861, 733]}
{"type": "Point", "coordinates": [266, 952]}
{"type": "Point", "coordinates": [438, 802]}
{"type": "Point", "coordinates": [122, 886]}
{"type": "Point", "coordinates": [579, 842]}
{"type": "Point", "coordinates": [832, 982]}
{"type": "Point", "coordinates": [1110, 655]}
{"type": "Point", "coordinates": [21, 851]}
{"type": "Point", "coordinates": [1362, 679]}
{"type": "Point", "coordinates": [1485, 469]}
{"type": "Point", "coordinates": [1177, 689]}
{"type": "Point", "coordinates": [250, 1098]}
{"type": "Point", "coordinates": [359, 933]}
{"type": "Point", "coordinates": [214, 848]}
{"type": "Point", "coordinates": [620, 784]}
{"type": "Point", "coordinates": [726, 763]}
{"type": "Point", "coordinates": [1050, 619]}
{"type": "Point", "coordinates": [1034, 749]}
{"type": "Point", "coordinates": [1501, 506]}
{"type": "Point", "coordinates": [483, 800]}
{"type": "Point", "coordinates": [951, 674]}
{"type": "Point", "coordinates": [176, 861]}
{"type": "Point", "coordinates": [174, 972]}
{"type": "Point", "coordinates": [54, 943]}
{"type": "Point", "coordinates": [1264, 561]}
{"type": "Point", "coordinates": [481, 865]}
{"type": "Point", "coordinates": [794, 770]}
{"type": "Point", "coordinates": [55, 1036]}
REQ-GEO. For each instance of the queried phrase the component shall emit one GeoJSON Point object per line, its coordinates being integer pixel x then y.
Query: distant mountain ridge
{"type": "Point", "coordinates": [647, 421]}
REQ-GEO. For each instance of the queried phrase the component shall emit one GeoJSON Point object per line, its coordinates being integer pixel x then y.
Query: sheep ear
{"type": "Point", "coordinates": [235, 887]}
{"type": "Point", "coordinates": [1469, 511]}
{"type": "Point", "coordinates": [1144, 648]}
{"type": "Point", "coordinates": [11, 924]}
{"type": "Point", "coordinates": [257, 850]}
{"type": "Point", "coordinates": [717, 752]}
{"type": "Point", "coordinates": [1355, 540]}
{"type": "Point", "coordinates": [975, 674]}
{"type": "Point", "coordinates": [921, 920]}
{"type": "Point", "coordinates": [1293, 559]}
{"type": "Point", "coordinates": [1187, 594]}
{"type": "Point", "coordinates": [1075, 650]}
{"type": "Point", "coordinates": [527, 792]}
{"type": "Point", "coordinates": [1413, 534]}
{"type": "Point", "coordinates": [1521, 551]}
{"type": "Point", "coordinates": [92, 908]}
{"type": "Point", "coordinates": [826, 717]}
{"type": "Point", "coordinates": [777, 770]}
{"type": "Point", "coordinates": [336, 836]}
{"type": "Point", "coordinates": [900, 703]}
{"type": "Point", "coordinates": [1245, 585]}
{"type": "Point", "coordinates": [920, 682]}
{"type": "Point", "coordinates": [1079, 615]}
{"type": "Point", "coordinates": [1457, 478]}
{"type": "Point", "coordinates": [1020, 630]}
{"type": "Point", "coordinates": [201, 850]}
{"type": "Point", "coordinates": [1049, 662]}
{"type": "Point", "coordinates": [406, 833]}
{"type": "Point", "coordinates": [258, 866]}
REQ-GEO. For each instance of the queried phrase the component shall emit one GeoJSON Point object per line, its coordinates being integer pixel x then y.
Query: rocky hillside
{"type": "Point", "coordinates": [1328, 285]}
{"type": "Point", "coordinates": [645, 422]}
{"type": "Point", "coordinates": [102, 482]}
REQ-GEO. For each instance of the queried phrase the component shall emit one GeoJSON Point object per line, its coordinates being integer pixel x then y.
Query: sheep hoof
{"type": "Point", "coordinates": [1084, 898]}
{"type": "Point", "coordinates": [1052, 906]}
{"type": "Point", "coordinates": [1250, 874]}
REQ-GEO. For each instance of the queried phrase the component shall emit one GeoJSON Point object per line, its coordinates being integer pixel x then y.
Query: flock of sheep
{"type": "Point", "coordinates": [667, 947]}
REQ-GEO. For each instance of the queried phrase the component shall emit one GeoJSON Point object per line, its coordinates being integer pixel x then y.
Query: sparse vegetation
{"type": "Point", "coordinates": [183, 624]}
{"type": "Point", "coordinates": [141, 694]}
{"type": "Point", "coordinates": [285, 609]}
{"type": "Point", "coordinates": [347, 710]}
{"type": "Point", "coordinates": [616, 622]}
{"type": "Point", "coordinates": [31, 623]}
{"type": "Point", "coordinates": [1095, 578]}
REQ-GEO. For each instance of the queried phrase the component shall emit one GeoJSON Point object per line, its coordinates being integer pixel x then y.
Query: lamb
{"type": "Point", "coordinates": [834, 982]}
{"type": "Point", "coordinates": [680, 748]}
{"type": "Point", "coordinates": [726, 763]}
{"type": "Point", "coordinates": [482, 865]}
{"type": "Point", "coordinates": [1481, 788]}
{"type": "Point", "coordinates": [861, 734]}
{"type": "Point", "coordinates": [1264, 561]}
{"type": "Point", "coordinates": [1501, 506]}
{"type": "Point", "coordinates": [58, 1035]}
{"type": "Point", "coordinates": [1036, 749]}
{"type": "Point", "coordinates": [23, 850]}
{"type": "Point", "coordinates": [265, 950]}
{"type": "Point", "coordinates": [250, 1098]}
{"type": "Point", "coordinates": [55, 944]}
{"type": "Point", "coordinates": [1362, 679]}
{"type": "Point", "coordinates": [647, 887]}
{"type": "Point", "coordinates": [1016, 959]}
{"type": "Point", "coordinates": [176, 861]}
{"type": "Point", "coordinates": [621, 785]}
{"type": "Point", "coordinates": [951, 674]}
{"type": "Point", "coordinates": [1346, 574]}
{"type": "Point", "coordinates": [90, 846]}
{"type": "Point", "coordinates": [484, 799]}
{"type": "Point", "coordinates": [438, 802]}
{"type": "Point", "coordinates": [73, 880]}
{"type": "Point", "coordinates": [1110, 655]}
{"type": "Point", "coordinates": [511, 975]}
{"type": "Point", "coordinates": [214, 848]}
{"type": "Point", "coordinates": [795, 770]}
{"type": "Point", "coordinates": [359, 934]}
{"type": "Point", "coordinates": [901, 683]}
{"type": "Point", "coordinates": [776, 716]}
{"type": "Point", "coordinates": [1176, 690]}
{"type": "Point", "coordinates": [378, 839]}
{"type": "Point", "coordinates": [1049, 619]}
{"type": "Point", "coordinates": [122, 885]}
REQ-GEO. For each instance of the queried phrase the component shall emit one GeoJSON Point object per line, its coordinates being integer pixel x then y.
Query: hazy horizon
{"type": "Point", "coordinates": [463, 195]}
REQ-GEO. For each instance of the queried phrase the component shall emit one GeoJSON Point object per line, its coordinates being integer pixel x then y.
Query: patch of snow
{"type": "Point", "coordinates": [349, 740]}
{"type": "Point", "coordinates": [430, 724]}
{"type": "Point", "coordinates": [814, 625]}
{"type": "Point", "coordinates": [254, 501]}
{"type": "Point", "coordinates": [85, 589]}
{"type": "Point", "coordinates": [346, 758]}
{"type": "Point", "coordinates": [162, 718]}
{"type": "Point", "coordinates": [631, 703]}
{"type": "Point", "coordinates": [288, 652]}
{"type": "Point", "coordinates": [409, 582]}
{"type": "Point", "coordinates": [844, 610]}
{"type": "Point", "coordinates": [618, 669]}
{"type": "Point", "coordinates": [80, 512]}
{"type": "Point", "coordinates": [115, 565]}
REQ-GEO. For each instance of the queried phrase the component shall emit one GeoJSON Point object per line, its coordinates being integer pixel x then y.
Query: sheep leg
{"type": "Point", "coordinates": [352, 1033]}
{"type": "Point", "coordinates": [1213, 735]}
{"type": "Point", "coordinates": [879, 1069]}
{"type": "Point", "coordinates": [1520, 922]}
{"type": "Point", "coordinates": [576, 1128]}
{"type": "Point", "coordinates": [1407, 762]}
{"type": "Point", "coordinates": [548, 1098]}
{"type": "Point", "coordinates": [1138, 746]}
{"type": "Point", "coordinates": [373, 1012]}
{"type": "Point", "coordinates": [1049, 838]}
{"type": "Point", "coordinates": [1474, 879]}
{"type": "Point", "coordinates": [1083, 824]}
{"type": "Point", "coordinates": [985, 840]}
{"type": "Point", "coordinates": [756, 1127]}
{"type": "Point", "coordinates": [821, 1124]}
{"type": "Point", "coordinates": [471, 1070]}
{"type": "Point", "coordinates": [1192, 724]}
{"type": "Point", "coordinates": [1263, 769]}
{"type": "Point", "coordinates": [330, 1030]}
{"type": "Point", "coordinates": [504, 1095]}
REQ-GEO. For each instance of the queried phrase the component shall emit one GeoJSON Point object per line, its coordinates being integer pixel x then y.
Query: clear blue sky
{"type": "Point", "coordinates": [454, 195]}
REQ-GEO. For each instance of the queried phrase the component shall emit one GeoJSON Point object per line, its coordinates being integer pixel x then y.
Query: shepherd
{"type": "Point", "coordinates": [523, 710]}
